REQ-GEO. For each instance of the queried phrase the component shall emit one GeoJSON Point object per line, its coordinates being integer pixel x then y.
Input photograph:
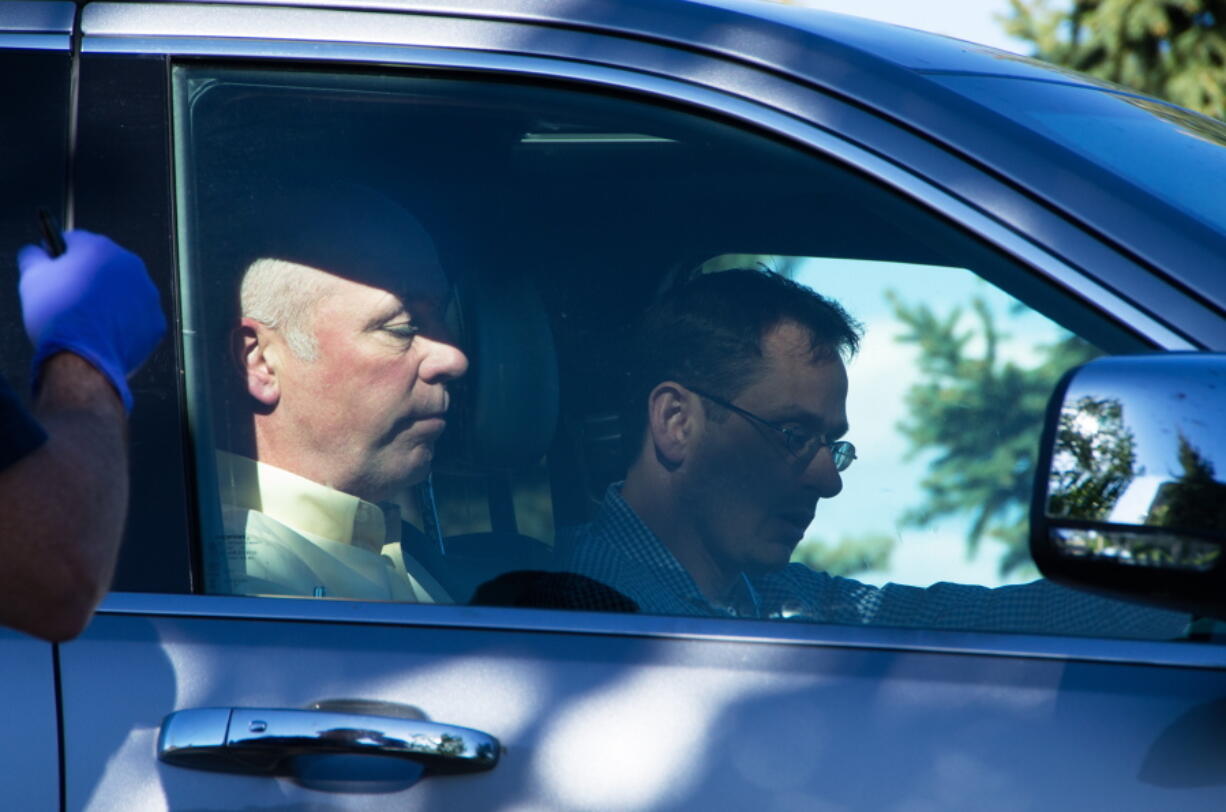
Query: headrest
{"type": "Point", "coordinates": [511, 389]}
{"type": "Point", "coordinates": [348, 230]}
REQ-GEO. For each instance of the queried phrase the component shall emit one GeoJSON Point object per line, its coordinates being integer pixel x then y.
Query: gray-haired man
{"type": "Point", "coordinates": [346, 363]}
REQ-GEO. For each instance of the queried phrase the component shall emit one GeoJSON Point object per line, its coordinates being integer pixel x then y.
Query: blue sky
{"type": "Point", "coordinates": [966, 19]}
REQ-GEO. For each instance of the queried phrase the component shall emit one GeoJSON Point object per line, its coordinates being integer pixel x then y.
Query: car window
{"type": "Point", "coordinates": [455, 339]}
{"type": "Point", "coordinates": [34, 168]}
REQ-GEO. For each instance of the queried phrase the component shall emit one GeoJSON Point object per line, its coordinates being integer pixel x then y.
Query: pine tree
{"type": "Point", "coordinates": [980, 416]}
{"type": "Point", "coordinates": [1171, 49]}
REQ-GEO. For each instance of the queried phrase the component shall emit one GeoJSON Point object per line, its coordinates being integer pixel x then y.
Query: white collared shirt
{"type": "Point", "coordinates": [288, 535]}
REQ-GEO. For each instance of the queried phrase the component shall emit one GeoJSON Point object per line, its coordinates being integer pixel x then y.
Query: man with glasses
{"type": "Point", "coordinates": [737, 410]}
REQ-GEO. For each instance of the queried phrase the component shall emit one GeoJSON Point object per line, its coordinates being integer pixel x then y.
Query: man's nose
{"type": "Point", "coordinates": [443, 361]}
{"type": "Point", "coordinates": [822, 475]}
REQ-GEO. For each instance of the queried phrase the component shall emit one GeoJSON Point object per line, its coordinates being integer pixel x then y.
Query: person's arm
{"type": "Point", "coordinates": [1038, 607]}
{"type": "Point", "coordinates": [63, 504]}
{"type": "Point", "coordinates": [93, 316]}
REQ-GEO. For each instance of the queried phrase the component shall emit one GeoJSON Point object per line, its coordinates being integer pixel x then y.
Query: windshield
{"type": "Point", "coordinates": [1174, 154]}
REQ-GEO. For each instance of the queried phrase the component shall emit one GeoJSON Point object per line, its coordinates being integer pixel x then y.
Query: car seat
{"type": "Point", "coordinates": [504, 419]}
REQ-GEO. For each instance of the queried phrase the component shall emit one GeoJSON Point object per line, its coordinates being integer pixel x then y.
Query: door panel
{"type": "Point", "coordinates": [28, 715]}
{"type": "Point", "coordinates": [624, 722]}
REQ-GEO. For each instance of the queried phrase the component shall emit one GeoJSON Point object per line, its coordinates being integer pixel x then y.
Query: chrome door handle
{"type": "Point", "coordinates": [268, 741]}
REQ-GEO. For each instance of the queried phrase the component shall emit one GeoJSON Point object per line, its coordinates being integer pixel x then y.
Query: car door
{"type": "Point", "coordinates": [583, 169]}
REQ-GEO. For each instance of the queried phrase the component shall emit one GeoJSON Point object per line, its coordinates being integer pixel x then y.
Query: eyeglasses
{"type": "Point", "coordinates": [799, 444]}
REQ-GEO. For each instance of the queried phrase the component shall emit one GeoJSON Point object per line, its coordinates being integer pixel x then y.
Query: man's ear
{"type": "Point", "coordinates": [252, 345]}
{"type": "Point", "coordinates": [674, 419]}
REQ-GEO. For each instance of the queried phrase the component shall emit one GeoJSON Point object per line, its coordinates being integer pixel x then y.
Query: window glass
{"type": "Point", "coordinates": [938, 380]}
{"type": "Point", "coordinates": [33, 131]}
{"type": "Point", "coordinates": [462, 340]}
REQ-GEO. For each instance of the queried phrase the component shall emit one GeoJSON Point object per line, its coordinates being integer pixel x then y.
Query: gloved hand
{"type": "Point", "coordinates": [95, 300]}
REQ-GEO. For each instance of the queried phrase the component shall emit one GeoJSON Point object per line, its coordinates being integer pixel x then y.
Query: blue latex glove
{"type": "Point", "coordinates": [95, 300]}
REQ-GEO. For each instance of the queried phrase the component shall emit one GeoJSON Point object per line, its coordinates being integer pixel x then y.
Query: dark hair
{"type": "Point", "coordinates": [707, 333]}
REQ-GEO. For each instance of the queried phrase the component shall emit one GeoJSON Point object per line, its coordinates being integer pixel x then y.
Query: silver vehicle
{"type": "Point", "coordinates": [992, 221]}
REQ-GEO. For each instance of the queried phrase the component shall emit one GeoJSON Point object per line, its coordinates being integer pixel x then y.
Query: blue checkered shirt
{"type": "Point", "coordinates": [618, 550]}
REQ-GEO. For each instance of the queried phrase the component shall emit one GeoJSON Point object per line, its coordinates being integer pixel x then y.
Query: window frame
{"type": "Point", "coordinates": [136, 210]}
{"type": "Point", "coordinates": [796, 114]}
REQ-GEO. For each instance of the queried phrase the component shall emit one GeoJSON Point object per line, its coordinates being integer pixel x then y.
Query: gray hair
{"type": "Point", "coordinates": [283, 296]}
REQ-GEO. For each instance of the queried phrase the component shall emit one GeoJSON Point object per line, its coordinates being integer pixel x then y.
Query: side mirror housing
{"type": "Point", "coordinates": [1130, 488]}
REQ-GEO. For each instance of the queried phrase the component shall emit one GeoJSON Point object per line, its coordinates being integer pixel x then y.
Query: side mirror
{"type": "Point", "coordinates": [1130, 489]}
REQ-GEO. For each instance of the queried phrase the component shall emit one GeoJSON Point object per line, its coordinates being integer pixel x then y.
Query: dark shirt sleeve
{"type": "Point", "coordinates": [20, 433]}
{"type": "Point", "coordinates": [1039, 607]}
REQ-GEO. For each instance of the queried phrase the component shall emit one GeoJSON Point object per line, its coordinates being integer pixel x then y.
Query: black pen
{"type": "Point", "coordinates": [53, 240]}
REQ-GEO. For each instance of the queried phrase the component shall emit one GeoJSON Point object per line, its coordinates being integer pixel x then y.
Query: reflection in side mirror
{"type": "Point", "coordinates": [1130, 497]}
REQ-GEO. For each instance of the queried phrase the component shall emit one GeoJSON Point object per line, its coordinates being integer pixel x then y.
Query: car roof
{"type": "Point", "coordinates": [870, 63]}
{"type": "Point", "coordinates": [905, 76]}
{"type": "Point", "coordinates": [761, 31]}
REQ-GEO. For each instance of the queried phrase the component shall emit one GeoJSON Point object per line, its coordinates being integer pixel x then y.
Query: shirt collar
{"type": "Point", "coordinates": [304, 505]}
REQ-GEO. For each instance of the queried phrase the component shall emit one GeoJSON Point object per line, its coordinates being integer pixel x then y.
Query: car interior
{"type": "Point", "coordinates": [559, 214]}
